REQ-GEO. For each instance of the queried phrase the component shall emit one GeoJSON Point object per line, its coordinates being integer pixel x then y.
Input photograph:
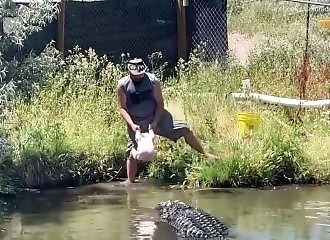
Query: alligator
{"type": "Point", "coordinates": [191, 223]}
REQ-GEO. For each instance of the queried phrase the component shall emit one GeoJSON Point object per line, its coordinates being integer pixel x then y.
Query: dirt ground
{"type": "Point", "coordinates": [240, 45]}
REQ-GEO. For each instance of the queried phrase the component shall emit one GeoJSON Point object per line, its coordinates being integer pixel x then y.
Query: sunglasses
{"type": "Point", "coordinates": [136, 67]}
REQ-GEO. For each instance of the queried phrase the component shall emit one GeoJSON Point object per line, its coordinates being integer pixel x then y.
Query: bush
{"type": "Point", "coordinates": [9, 181]}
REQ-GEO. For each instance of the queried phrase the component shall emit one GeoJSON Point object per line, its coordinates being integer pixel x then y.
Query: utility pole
{"type": "Point", "coordinates": [60, 27]}
{"type": "Point", "coordinates": [182, 29]}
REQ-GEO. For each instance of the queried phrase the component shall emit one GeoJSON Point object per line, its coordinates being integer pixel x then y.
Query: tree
{"type": "Point", "coordinates": [18, 21]}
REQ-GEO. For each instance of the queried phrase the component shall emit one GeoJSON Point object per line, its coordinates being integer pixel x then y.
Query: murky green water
{"type": "Point", "coordinates": [113, 211]}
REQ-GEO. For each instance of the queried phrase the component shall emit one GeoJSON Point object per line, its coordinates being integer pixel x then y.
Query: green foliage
{"type": "Point", "coordinates": [24, 19]}
{"type": "Point", "coordinates": [279, 32]}
{"type": "Point", "coordinates": [64, 128]}
{"type": "Point", "coordinates": [24, 75]}
{"type": "Point", "coordinates": [271, 158]}
{"type": "Point", "coordinates": [235, 7]}
{"type": "Point", "coordinates": [45, 138]}
{"type": "Point", "coordinates": [8, 177]}
{"type": "Point", "coordinates": [71, 131]}
{"type": "Point", "coordinates": [276, 154]}
{"type": "Point", "coordinates": [45, 171]}
{"type": "Point", "coordinates": [31, 74]}
{"type": "Point", "coordinates": [172, 163]}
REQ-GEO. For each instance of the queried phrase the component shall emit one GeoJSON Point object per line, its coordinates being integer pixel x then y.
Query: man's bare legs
{"type": "Point", "coordinates": [189, 138]}
{"type": "Point", "coordinates": [192, 141]}
{"type": "Point", "coordinates": [131, 166]}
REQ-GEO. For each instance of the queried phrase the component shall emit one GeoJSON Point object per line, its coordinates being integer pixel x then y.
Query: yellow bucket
{"type": "Point", "coordinates": [248, 122]}
{"type": "Point", "coordinates": [325, 23]}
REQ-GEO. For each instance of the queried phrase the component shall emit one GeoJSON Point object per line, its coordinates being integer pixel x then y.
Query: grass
{"type": "Point", "coordinates": [70, 132]}
{"type": "Point", "coordinates": [282, 26]}
{"type": "Point", "coordinates": [279, 152]}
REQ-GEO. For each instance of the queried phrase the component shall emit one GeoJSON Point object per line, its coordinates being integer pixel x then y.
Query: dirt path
{"type": "Point", "coordinates": [240, 45]}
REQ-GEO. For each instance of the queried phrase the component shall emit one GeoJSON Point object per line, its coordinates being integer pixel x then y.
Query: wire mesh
{"type": "Point", "coordinates": [143, 27]}
{"type": "Point", "coordinates": [286, 36]}
{"type": "Point", "coordinates": [207, 27]}
{"type": "Point", "coordinates": [114, 27]}
{"type": "Point", "coordinates": [137, 28]}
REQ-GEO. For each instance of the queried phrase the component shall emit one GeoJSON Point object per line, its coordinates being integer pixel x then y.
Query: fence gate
{"type": "Point", "coordinates": [207, 24]}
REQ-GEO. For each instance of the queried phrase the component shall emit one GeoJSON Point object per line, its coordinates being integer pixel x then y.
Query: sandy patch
{"type": "Point", "coordinates": [240, 45]}
{"type": "Point", "coordinates": [176, 108]}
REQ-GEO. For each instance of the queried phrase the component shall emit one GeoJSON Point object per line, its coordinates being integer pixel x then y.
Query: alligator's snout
{"type": "Point", "coordinates": [189, 222]}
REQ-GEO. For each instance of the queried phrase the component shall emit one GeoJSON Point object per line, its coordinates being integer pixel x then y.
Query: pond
{"type": "Point", "coordinates": [114, 211]}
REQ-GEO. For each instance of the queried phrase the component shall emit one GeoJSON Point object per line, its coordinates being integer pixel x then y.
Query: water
{"type": "Point", "coordinates": [113, 211]}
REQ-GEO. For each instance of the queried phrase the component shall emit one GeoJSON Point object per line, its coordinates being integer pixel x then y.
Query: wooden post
{"type": "Point", "coordinates": [182, 30]}
{"type": "Point", "coordinates": [60, 27]}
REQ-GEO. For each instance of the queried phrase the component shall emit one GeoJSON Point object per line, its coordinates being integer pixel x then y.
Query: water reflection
{"type": "Point", "coordinates": [143, 220]}
{"type": "Point", "coordinates": [280, 214]}
{"type": "Point", "coordinates": [113, 211]}
{"type": "Point", "coordinates": [141, 226]}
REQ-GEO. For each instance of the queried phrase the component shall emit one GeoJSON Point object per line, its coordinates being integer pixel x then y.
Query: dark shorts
{"type": "Point", "coordinates": [167, 127]}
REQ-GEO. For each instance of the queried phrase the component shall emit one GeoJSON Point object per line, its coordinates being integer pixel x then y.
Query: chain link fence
{"type": "Point", "coordinates": [143, 27]}
{"type": "Point", "coordinates": [136, 28]}
{"type": "Point", "coordinates": [286, 35]}
{"type": "Point", "coordinates": [113, 27]}
{"type": "Point", "coordinates": [207, 28]}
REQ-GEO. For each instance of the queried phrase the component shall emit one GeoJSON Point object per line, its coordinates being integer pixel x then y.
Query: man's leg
{"type": "Point", "coordinates": [175, 129]}
{"type": "Point", "coordinates": [131, 166]}
{"type": "Point", "coordinates": [131, 163]}
{"type": "Point", "coordinates": [192, 141]}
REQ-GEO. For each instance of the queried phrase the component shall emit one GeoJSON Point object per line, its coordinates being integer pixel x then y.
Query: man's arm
{"type": "Point", "coordinates": [160, 101]}
{"type": "Point", "coordinates": [122, 106]}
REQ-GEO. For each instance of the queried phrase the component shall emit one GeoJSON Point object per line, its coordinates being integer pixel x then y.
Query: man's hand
{"type": "Point", "coordinates": [135, 127]}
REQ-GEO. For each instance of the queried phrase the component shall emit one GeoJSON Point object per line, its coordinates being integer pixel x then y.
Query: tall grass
{"type": "Point", "coordinates": [69, 131]}
{"type": "Point", "coordinates": [281, 151]}
{"type": "Point", "coordinates": [275, 155]}
{"type": "Point", "coordinates": [278, 55]}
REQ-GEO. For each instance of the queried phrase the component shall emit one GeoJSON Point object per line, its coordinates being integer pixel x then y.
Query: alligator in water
{"type": "Point", "coordinates": [191, 223]}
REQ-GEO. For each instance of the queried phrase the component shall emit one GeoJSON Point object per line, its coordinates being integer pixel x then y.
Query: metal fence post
{"type": "Point", "coordinates": [60, 27]}
{"type": "Point", "coordinates": [182, 29]}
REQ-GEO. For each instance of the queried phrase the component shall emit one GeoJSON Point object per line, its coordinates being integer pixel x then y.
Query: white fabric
{"type": "Point", "coordinates": [145, 146]}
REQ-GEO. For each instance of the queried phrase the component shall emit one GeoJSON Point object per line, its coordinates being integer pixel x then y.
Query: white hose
{"type": "Point", "coordinates": [289, 102]}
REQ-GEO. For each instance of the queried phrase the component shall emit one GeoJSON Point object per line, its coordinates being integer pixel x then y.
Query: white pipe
{"type": "Point", "coordinates": [32, 1]}
{"type": "Point", "coordinates": [289, 102]}
{"type": "Point", "coordinates": [310, 2]}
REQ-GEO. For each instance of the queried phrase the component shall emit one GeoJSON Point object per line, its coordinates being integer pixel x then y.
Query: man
{"type": "Point", "coordinates": [141, 105]}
